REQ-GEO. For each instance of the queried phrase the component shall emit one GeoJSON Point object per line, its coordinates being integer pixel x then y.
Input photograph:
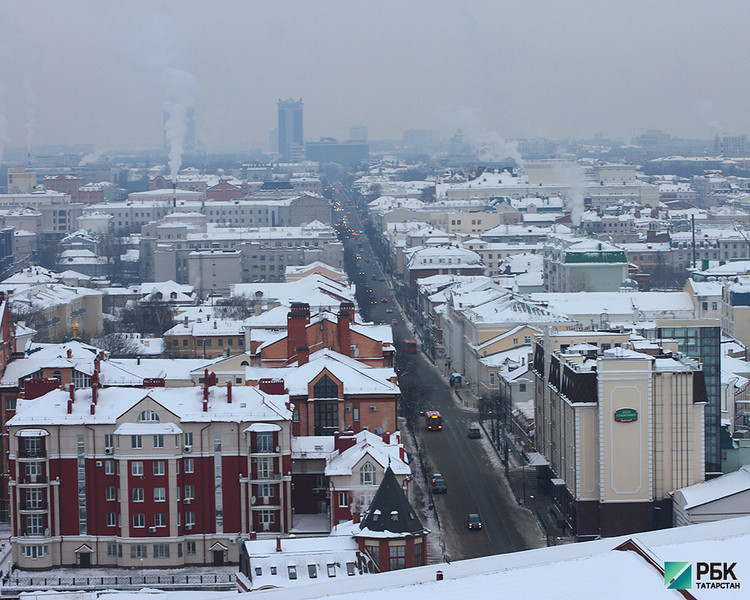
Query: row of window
{"type": "Point", "coordinates": [160, 519]}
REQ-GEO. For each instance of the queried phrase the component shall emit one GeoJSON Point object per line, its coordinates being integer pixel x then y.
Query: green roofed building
{"type": "Point", "coordinates": [583, 265]}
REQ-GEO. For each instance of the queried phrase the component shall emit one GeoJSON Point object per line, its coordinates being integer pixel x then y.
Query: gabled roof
{"type": "Point", "coordinates": [390, 514]}
{"type": "Point", "coordinates": [367, 444]}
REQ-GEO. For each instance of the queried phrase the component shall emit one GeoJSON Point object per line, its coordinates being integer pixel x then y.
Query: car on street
{"type": "Point", "coordinates": [475, 432]}
{"type": "Point", "coordinates": [384, 299]}
{"type": "Point", "coordinates": [389, 310]}
{"type": "Point", "coordinates": [439, 487]}
{"type": "Point", "coordinates": [474, 521]}
{"type": "Point", "coordinates": [374, 277]}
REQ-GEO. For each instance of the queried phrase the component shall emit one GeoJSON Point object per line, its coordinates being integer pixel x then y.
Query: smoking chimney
{"type": "Point", "coordinates": [174, 194]}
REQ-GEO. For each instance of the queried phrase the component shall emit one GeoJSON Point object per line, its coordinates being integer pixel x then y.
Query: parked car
{"type": "Point", "coordinates": [438, 484]}
{"type": "Point", "coordinates": [474, 521]}
{"type": "Point", "coordinates": [475, 432]}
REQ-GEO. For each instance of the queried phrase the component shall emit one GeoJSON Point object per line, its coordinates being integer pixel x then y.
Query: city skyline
{"type": "Point", "coordinates": [98, 74]}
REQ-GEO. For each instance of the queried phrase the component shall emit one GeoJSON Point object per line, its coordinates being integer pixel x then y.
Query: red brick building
{"type": "Point", "coordinates": [116, 476]}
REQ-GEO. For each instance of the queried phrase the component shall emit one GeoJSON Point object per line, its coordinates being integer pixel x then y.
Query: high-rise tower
{"type": "Point", "coordinates": [291, 139]}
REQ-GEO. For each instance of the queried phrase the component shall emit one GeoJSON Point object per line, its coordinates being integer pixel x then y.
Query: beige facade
{"type": "Point", "coordinates": [620, 428]}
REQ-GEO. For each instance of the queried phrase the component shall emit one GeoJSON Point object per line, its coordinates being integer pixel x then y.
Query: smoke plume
{"type": "Point", "coordinates": [29, 109]}
{"type": "Point", "coordinates": [572, 174]}
{"type": "Point", "coordinates": [177, 106]}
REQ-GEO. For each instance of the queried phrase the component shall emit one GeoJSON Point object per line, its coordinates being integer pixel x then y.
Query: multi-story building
{"type": "Point", "coordinates": [620, 428]}
{"type": "Point", "coordinates": [21, 181]}
{"type": "Point", "coordinates": [212, 272]}
{"type": "Point", "coordinates": [65, 184]}
{"type": "Point", "coordinates": [452, 259]}
{"type": "Point", "coordinates": [59, 214]}
{"type": "Point", "coordinates": [119, 477]}
{"type": "Point", "coordinates": [583, 265]}
{"type": "Point", "coordinates": [204, 338]}
{"type": "Point", "coordinates": [291, 136]}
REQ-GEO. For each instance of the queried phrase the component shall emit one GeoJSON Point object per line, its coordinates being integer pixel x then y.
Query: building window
{"type": "Point", "coordinates": [190, 548]}
{"type": "Point", "coordinates": [111, 493]}
{"type": "Point", "coordinates": [136, 441]}
{"type": "Point", "coordinates": [267, 516]}
{"type": "Point", "coordinates": [522, 387]}
{"type": "Point", "coordinates": [139, 520]}
{"type": "Point", "coordinates": [188, 438]}
{"type": "Point", "coordinates": [148, 416]}
{"type": "Point", "coordinates": [111, 519]}
{"type": "Point", "coordinates": [160, 520]}
{"type": "Point", "coordinates": [159, 467]}
{"type": "Point", "coordinates": [190, 518]}
{"type": "Point", "coordinates": [33, 468]}
{"type": "Point", "coordinates": [109, 440]}
{"type": "Point", "coordinates": [34, 552]}
{"type": "Point", "coordinates": [418, 553]}
{"type": "Point", "coordinates": [159, 441]}
{"type": "Point", "coordinates": [136, 467]}
{"type": "Point", "coordinates": [34, 524]}
{"type": "Point", "coordinates": [137, 494]}
{"type": "Point", "coordinates": [373, 549]}
{"type": "Point", "coordinates": [355, 414]}
{"type": "Point", "coordinates": [161, 550]}
{"type": "Point", "coordinates": [343, 499]}
{"type": "Point", "coordinates": [112, 549]}
{"type": "Point", "coordinates": [264, 441]}
{"type": "Point", "coordinates": [189, 492]}
{"type": "Point", "coordinates": [398, 557]}
{"type": "Point", "coordinates": [189, 465]}
{"type": "Point", "coordinates": [160, 494]}
{"type": "Point", "coordinates": [326, 388]}
{"type": "Point", "coordinates": [109, 467]}
{"type": "Point", "coordinates": [367, 474]}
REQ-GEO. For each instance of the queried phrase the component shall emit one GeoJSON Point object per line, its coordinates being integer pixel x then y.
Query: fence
{"type": "Point", "coordinates": [223, 580]}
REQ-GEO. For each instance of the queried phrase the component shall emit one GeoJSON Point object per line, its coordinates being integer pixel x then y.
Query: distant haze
{"type": "Point", "coordinates": [99, 72]}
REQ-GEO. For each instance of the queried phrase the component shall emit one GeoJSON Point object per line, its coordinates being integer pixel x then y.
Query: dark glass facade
{"type": "Point", "coordinates": [703, 342]}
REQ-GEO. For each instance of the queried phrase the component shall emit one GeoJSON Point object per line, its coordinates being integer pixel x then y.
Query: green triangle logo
{"type": "Point", "coordinates": [678, 575]}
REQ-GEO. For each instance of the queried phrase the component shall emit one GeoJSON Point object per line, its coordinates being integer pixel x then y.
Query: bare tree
{"type": "Point", "coordinates": [118, 345]}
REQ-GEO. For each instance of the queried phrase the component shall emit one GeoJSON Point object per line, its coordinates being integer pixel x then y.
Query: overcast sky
{"type": "Point", "coordinates": [100, 72]}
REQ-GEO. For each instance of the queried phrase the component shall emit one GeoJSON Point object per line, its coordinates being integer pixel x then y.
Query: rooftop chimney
{"type": "Point", "coordinates": [174, 194]}
{"type": "Point", "coordinates": [303, 355]}
{"type": "Point", "coordinates": [94, 389]}
{"type": "Point", "coordinates": [205, 390]}
{"type": "Point", "coordinates": [356, 517]}
{"type": "Point", "coordinates": [70, 353]}
{"type": "Point", "coordinates": [296, 329]}
{"type": "Point", "coordinates": [229, 391]}
{"type": "Point", "coordinates": [278, 543]}
{"type": "Point", "coordinates": [343, 332]}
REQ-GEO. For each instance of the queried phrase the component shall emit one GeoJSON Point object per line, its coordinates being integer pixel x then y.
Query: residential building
{"type": "Point", "coordinates": [620, 428]}
{"type": "Point", "coordinates": [116, 477]}
{"type": "Point", "coordinates": [213, 272]}
{"type": "Point", "coordinates": [205, 338]}
{"type": "Point", "coordinates": [450, 259]}
{"type": "Point", "coordinates": [21, 181]}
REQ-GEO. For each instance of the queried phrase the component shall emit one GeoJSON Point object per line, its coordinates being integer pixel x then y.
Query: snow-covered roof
{"type": "Point", "coordinates": [568, 572]}
{"type": "Point", "coordinates": [370, 445]}
{"type": "Point", "coordinates": [357, 378]}
{"type": "Point", "coordinates": [248, 404]}
{"type": "Point", "coordinates": [717, 488]}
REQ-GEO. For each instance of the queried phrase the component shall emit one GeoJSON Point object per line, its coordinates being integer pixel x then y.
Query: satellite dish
{"type": "Point", "coordinates": [252, 500]}
{"type": "Point", "coordinates": [378, 431]}
{"type": "Point", "coordinates": [46, 532]}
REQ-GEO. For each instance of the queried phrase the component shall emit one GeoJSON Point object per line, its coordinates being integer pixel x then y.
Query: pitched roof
{"type": "Point", "coordinates": [390, 512]}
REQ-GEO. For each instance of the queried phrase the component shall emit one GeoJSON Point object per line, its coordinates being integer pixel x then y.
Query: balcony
{"type": "Point", "coordinates": [32, 479]}
{"type": "Point", "coordinates": [26, 453]}
{"type": "Point", "coordinates": [267, 476]}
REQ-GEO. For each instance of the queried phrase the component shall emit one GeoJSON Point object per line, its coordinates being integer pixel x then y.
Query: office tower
{"type": "Point", "coordinates": [291, 138]}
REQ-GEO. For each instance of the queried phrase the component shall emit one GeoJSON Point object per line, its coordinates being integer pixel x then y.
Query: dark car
{"type": "Point", "coordinates": [475, 432]}
{"type": "Point", "coordinates": [438, 484]}
{"type": "Point", "coordinates": [474, 521]}
{"type": "Point", "coordinates": [384, 299]}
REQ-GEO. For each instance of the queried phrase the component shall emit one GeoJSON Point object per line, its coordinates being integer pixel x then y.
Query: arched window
{"type": "Point", "coordinates": [244, 363]}
{"type": "Point", "coordinates": [148, 415]}
{"type": "Point", "coordinates": [326, 388]}
{"type": "Point", "coordinates": [367, 474]}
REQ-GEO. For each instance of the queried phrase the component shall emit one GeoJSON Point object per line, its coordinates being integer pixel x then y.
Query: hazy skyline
{"type": "Point", "coordinates": [83, 71]}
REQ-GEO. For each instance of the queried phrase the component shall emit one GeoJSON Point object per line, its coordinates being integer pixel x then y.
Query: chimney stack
{"type": "Point", "coordinates": [343, 330]}
{"type": "Point", "coordinates": [356, 517]}
{"type": "Point", "coordinates": [296, 328]}
{"type": "Point", "coordinates": [70, 353]}
{"type": "Point", "coordinates": [229, 391]}
{"type": "Point", "coordinates": [303, 355]}
{"type": "Point", "coordinates": [94, 389]}
{"type": "Point", "coordinates": [278, 543]}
